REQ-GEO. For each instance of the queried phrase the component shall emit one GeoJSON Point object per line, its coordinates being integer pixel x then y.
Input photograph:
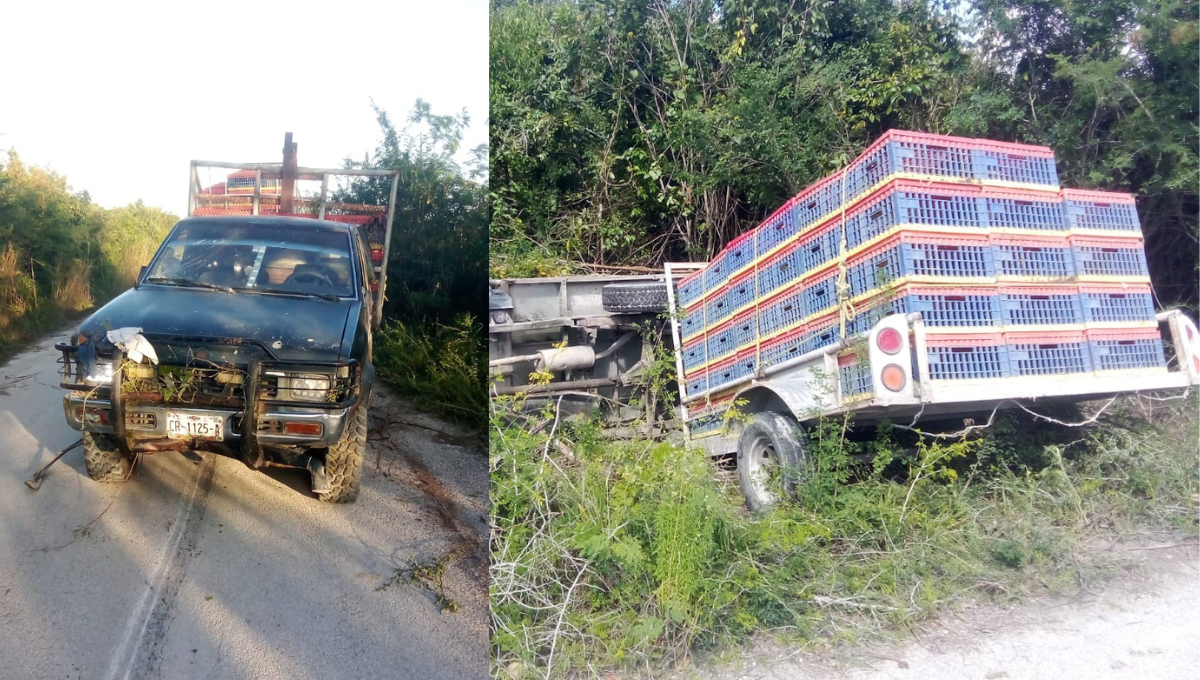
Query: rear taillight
{"type": "Point", "coordinates": [893, 377]}
{"type": "Point", "coordinates": [889, 341]}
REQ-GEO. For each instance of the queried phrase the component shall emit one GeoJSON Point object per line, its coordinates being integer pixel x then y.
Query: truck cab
{"type": "Point", "coordinates": [260, 337]}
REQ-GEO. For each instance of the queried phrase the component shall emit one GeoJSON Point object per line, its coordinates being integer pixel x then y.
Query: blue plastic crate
{"type": "Point", "coordinates": [745, 330]}
{"type": "Point", "coordinates": [818, 202]}
{"type": "Point", "coordinates": [717, 307]}
{"type": "Point", "coordinates": [824, 336]}
{"type": "Point", "coordinates": [877, 270]}
{"type": "Point", "coordinates": [741, 291]}
{"type": "Point", "coordinates": [1040, 307]}
{"type": "Point", "coordinates": [953, 309]}
{"type": "Point", "coordinates": [820, 248]}
{"type": "Point", "coordinates": [865, 319]}
{"type": "Point", "coordinates": [820, 295]}
{"type": "Point", "coordinates": [689, 291]}
{"type": "Point", "coordinates": [888, 263]}
{"type": "Point", "coordinates": [855, 379]}
{"type": "Point", "coordinates": [1048, 356]}
{"type": "Point", "coordinates": [784, 312]}
{"type": "Point", "coordinates": [706, 424]}
{"type": "Point", "coordinates": [1021, 210]}
{"type": "Point", "coordinates": [1102, 306]}
{"type": "Point", "coordinates": [720, 343]}
{"type": "Point", "coordinates": [1014, 258]}
{"type": "Point", "coordinates": [728, 372]}
{"type": "Point", "coordinates": [1016, 167]}
{"type": "Point", "coordinates": [694, 355]}
{"type": "Point", "coordinates": [716, 274]}
{"type": "Point", "coordinates": [739, 253]}
{"type": "Point", "coordinates": [1114, 353]}
{"type": "Point", "coordinates": [966, 357]}
{"type": "Point", "coordinates": [783, 269]}
{"type": "Point", "coordinates": [782, 349]}
{"type": "Point", "coordinates": [1094, 258]}
{"type": "Point", "coordinates": [691, 322]}
{"type": "Point", "coordinates": [911, 153]}
{"type": "Point", "coordinates": [778, 228]}
{"type": "Point", "coordinates": [1100, 211]}
{"type": "Point", "coordinates": [697, 384]}
{"type": "Point", "coordinates": [907, 204]}
{"type": "Point", "coordinates": [947, 259]}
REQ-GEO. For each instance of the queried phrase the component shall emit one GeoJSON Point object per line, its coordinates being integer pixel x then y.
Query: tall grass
{"type": "Point", "coordinates": [440, 367]}
{"type": "Point", "coordinates": [609, 555]}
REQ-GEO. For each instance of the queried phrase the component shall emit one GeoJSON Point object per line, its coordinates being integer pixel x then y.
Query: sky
{"type": "Point", "coordinates": [119, 96]}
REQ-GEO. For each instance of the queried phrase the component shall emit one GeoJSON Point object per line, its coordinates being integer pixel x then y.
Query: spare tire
{"type": "Point", "coordinates": [643, 296]}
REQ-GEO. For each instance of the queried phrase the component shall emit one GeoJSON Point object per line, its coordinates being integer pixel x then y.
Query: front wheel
{"type": "Point", "coordinates": [105, 459]}
{"type": "Point", "coordinates": [770, 459]}
{"type": "Point", "coordinates": [344, 460]}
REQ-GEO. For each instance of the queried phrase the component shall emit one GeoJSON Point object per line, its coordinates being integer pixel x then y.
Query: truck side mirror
{"type": "Point", "coordinates": [141, 272]}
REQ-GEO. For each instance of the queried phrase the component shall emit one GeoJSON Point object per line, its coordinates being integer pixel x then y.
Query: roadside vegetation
{"type": "Point", "coordinates": [60, 253]}
{"type": "Point", "coordinates": [433, 347]}
{"type": "Point", "coordinates": [632, 132]}
{"type": "Point", "coordinates": [633, 556]}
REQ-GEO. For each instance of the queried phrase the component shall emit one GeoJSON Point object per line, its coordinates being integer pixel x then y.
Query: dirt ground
{"type": "Point", "coordinates": [1144, 624]}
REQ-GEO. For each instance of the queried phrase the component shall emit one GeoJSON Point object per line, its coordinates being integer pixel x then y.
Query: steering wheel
{"type": "Point", "coordinates": [319, 278]}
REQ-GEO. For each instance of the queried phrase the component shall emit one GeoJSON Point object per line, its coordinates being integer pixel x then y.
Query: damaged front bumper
{"type": "Point", "coordinates": [257, 414]}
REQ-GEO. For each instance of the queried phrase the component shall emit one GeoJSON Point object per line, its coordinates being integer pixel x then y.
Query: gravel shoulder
{"type": "Point", "coordinates": [199, 567]}
{"type": "Point", "coordinates": [1145, 623]}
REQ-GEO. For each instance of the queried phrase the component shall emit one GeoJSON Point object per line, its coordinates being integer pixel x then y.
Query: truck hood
{"type": "Point", "coordinates": [292, 327]}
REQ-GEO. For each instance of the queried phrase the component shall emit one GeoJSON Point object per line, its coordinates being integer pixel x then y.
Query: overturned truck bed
{"type": "Point", "coordinates": [585, 342]}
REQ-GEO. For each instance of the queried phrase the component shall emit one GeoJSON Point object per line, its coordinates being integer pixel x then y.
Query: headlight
{"type": "Point", "coordinates": [101, 375]}
{"type": "Point", "coordinates": [309, 387]}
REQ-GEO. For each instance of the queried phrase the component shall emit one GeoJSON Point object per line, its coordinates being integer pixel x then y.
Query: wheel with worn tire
{"type": "Point", "coordinates": [645, 296]}
{"type": "Point", "coordinates": [105, 459]}
{"type": "Point", "coordinates": [770, 458]}
{"type": "Point", "coordinates": [344, 460]}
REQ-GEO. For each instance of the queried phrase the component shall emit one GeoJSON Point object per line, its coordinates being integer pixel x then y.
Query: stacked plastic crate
{"type": "Point", "coordinates": [1013, 276]}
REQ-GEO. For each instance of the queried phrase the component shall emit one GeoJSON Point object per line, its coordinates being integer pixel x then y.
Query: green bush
{"type": "Point", "coordinates": [441, 368]}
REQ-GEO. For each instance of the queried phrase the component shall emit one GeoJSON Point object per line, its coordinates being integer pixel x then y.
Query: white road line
{"type": "Point", "coordinates": [122, 662]}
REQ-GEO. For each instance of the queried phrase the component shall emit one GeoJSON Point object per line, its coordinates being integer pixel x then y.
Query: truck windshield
{"type": "Point", "coordinates": [256, 257]}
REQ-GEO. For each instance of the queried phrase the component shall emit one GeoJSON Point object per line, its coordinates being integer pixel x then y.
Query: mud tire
{"type": "Point", "coordinates": [634, 297]}
{"type": "Point", "coordinates": [105, 459]}
{"type": "Point", "coordinates": [344, 460]}
{"type": "Point", "coordinates": [770, 459]}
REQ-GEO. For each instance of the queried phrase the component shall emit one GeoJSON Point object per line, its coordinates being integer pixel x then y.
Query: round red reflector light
{"type": "Point", "coordinates": [889, 340]}
{"type": "Point", "coordinates": [893, 377]}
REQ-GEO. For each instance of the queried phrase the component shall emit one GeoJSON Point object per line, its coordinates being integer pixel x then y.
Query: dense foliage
{"type": "Point", "coordinates": [436, 269]}
{"type": "Point", "coordinates": [60, 253]}
{"type": "Point", "coordinates": [433, 347]}
{"type": "Point", "coordinates": [633, 131]}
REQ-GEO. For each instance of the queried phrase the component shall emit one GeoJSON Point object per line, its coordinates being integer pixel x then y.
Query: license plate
{"type": "Point", "coordinates": [193, 426]}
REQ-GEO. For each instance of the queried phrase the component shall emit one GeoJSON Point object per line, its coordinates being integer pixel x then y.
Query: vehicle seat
{"type": "Point", "coordinates": [221, 276]}
{"type": "Point", "coordinates": [304, 269]}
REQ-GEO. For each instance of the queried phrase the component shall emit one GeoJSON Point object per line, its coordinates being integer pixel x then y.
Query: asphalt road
{"type": "Point", "coordinates": [199, 567]}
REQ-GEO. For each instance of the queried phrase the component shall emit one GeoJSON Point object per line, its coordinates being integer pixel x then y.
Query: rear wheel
{"type": "Point", "coordinates": [105, 459]}
{"type": "Point", "coordinates": [770, 459]}
{"type": "Point", "coordinates": [344, 460]}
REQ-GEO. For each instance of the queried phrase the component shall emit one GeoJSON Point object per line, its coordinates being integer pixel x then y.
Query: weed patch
{"type": "Point", "coordinates": [441, 368]}
{"type": "Point", "coordinates": [636, 555]}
